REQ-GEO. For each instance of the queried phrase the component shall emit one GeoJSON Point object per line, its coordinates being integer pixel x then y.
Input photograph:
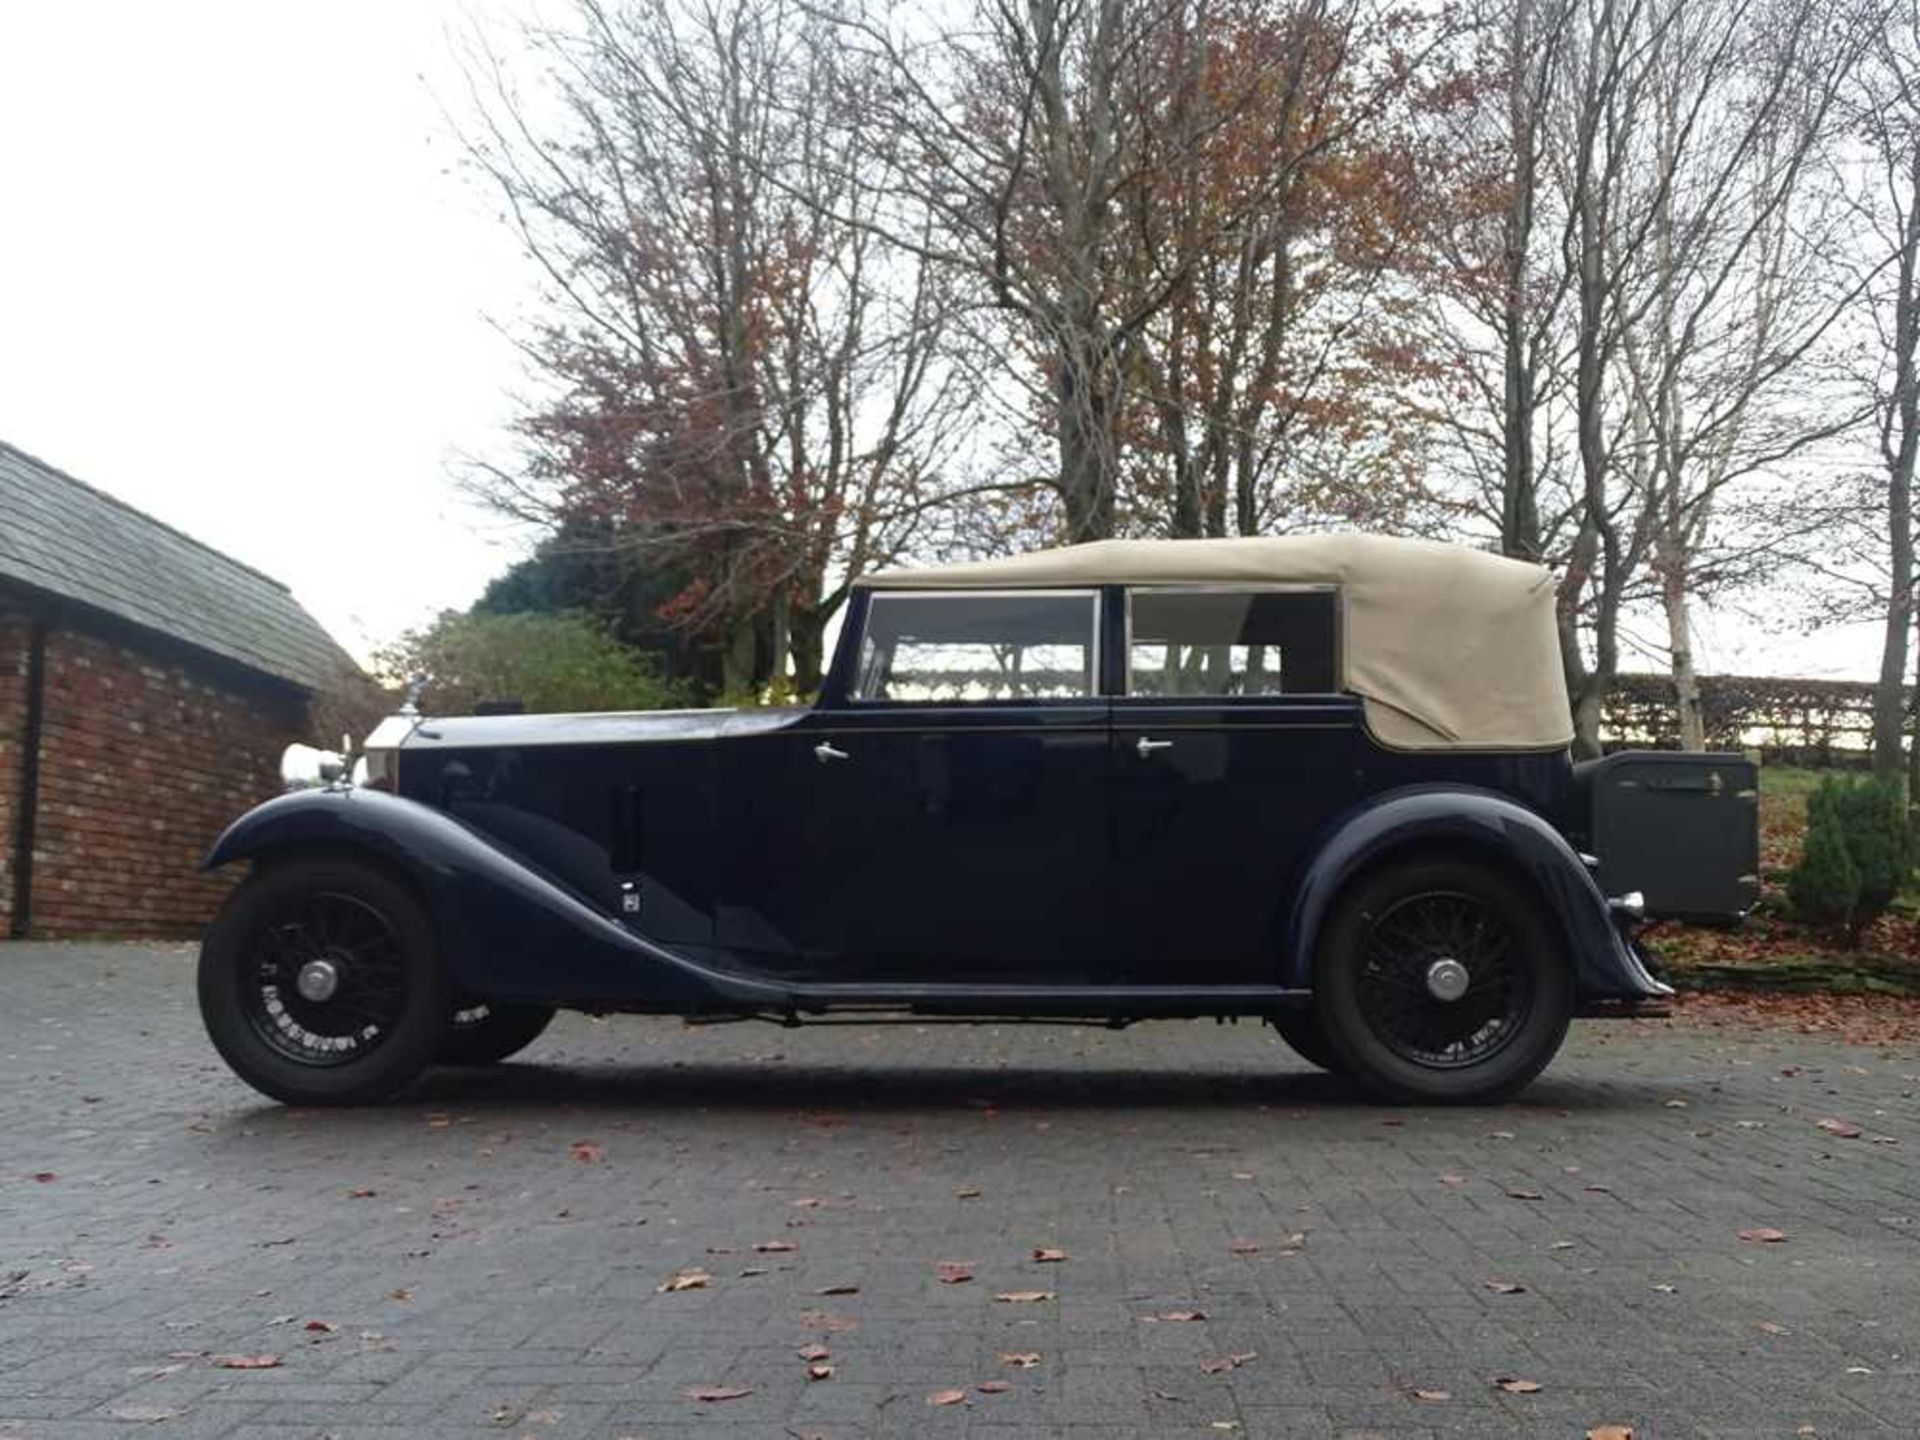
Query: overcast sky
{"type": "Point", "coordinates": [243, 287]}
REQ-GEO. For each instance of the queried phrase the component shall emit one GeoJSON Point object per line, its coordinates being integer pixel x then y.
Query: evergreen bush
{"type": "Point", "coordinates": [1857, 856]}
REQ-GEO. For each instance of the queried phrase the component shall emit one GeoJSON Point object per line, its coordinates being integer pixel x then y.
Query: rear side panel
{"type": "Point", "coordinates": [1681, 828]}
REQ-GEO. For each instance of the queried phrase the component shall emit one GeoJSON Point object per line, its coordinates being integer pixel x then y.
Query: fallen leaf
{"type": "Point", "coordinates": [247, 1362]}
{"type": "Point", "coordinates": [1676, 1104]}
{"type": "Point", "coordinates": [1432, 1397]}
{"type": "Point", "coordinates": [1044, 1256]}
{"type": "Point", "coordinates": [1668, 1289]}
{"type": "Point", "coordinates": [993, 1387]}
{"type": "Point", "coordinates": [952, 1272]}
{"type": "Point", "coordinates": [1845, 1129]}
{"type": "Point", "coordinates": [753, 1270]}
{"type": "Point", "coordinates": [1499, 1135]}
{"type": "Point", "coordinates": [1515, 1386]}
{"type": "Point", "coordinates": [1023, 1297]}
{"type": "Point", "coordinates": [324, 1327]}
{"type": "Point", "coordinates": [1505, 1287]}
{"type": "Point", "coordinates": [1561, 1245]}
{"type": "Point", "coordinates": [1451, 1179]}
{"type": "Point", "coordinates": [401, 1295]}
{"type": "Point", "coordinates": [1221, 1364]}
{"type": "Point", "coordinates": [703, 1394]}
{"type": "Point", "coordinates": [838, 1290]}
{"type": "Point", "coordinates": [819, 1372]}
{"type": "Point", "coordinates": [1243, 1175]}
{"type": "Point", "coordinates": [808, 1202]}
{"type": "Point", "coordinates": [685, 1280]}
{"type": "Point", "coordinates": [45, 1177]}
{"type": "Point", "coordinates": [969, 1193]}
{"type": "Point", "coordinates": [832, 1324]}
{"type": "Point", "coordinates": [774, 1247]}
{"type": "Point", "coordinates": [814, 1351]}
{"type": "Point", "coordinates": [1244, 1247]}
{"type": "Point", "coordinates": [1610, 1432]}
{"type": "Point", "coordinates": [361, 1194]}
{"type": "Point", "coordinates": [1526, 1195]}
{"type": "Point", "coordinates": [1769, 1327]}
{"type": "Point", "coordinates": [587, 1152]}
{"type": "Point", "coordinates": [1021, 1359]}
{"type": "Point", "coordinates": [1764, 1235]}
{"type": "Point", "coordinates": [947, 1397]}
{"type": "Point", "coordinates": [1176, 1315]}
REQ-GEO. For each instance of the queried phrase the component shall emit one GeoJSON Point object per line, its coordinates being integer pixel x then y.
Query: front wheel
{"type": "Point", "coordinates": [319, 984]}
{"type": "Point", "coordinates": [485, 1032]}
{"type": "Point", "coordinates": [1441, 981]}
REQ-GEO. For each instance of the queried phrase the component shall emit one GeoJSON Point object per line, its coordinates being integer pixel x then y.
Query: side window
{"type": "Point", "coordinates": [953, 647]}
{"type": "Point", "coordinates": [1231, 642]}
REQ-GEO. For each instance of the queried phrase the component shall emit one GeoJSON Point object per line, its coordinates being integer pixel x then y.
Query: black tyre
{"type": "Point", "coordinates": [485, 1033]}
{"type": "Point", "coordinates": [1305, 1036]}
{"type": "Point", "coordinates": [319, 984]}
{"type": "Point", "coordinates": [1441, 981]}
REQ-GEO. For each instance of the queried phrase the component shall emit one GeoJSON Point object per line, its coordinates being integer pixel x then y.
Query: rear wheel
{"type": "Point", "coordinates": [485, 1033]}
{"type": "Point", "coordinates": [319, 984]}
{"type": "Point", "coordinates": [1441, 981]}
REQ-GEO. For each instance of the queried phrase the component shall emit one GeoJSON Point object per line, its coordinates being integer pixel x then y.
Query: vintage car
{"type": "Point", "coordinates": [1323, 781]}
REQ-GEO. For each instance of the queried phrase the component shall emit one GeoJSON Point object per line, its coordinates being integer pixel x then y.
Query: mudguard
{"type": "Point", "coordinates": [1461, 819]}
{"type": "Point", "coordinates": [507, 930]}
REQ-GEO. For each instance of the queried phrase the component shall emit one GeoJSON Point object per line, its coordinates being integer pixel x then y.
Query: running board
{"type": "Point", "coordinates": [1090, 1002]}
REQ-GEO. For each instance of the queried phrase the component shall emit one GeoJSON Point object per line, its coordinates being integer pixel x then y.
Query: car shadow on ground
{"type": "Point", "coordinates": [751, 1087]}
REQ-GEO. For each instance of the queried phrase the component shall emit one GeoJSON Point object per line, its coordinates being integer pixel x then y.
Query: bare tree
{"type": "Point", "coordinates": [741, 384]}
{"type": "Point", "coordinates": [1085, 159]}
{"type": "Point", "coordinates": [1639, 306]}
{"type": "Point", "coordinates": [1884, 108]}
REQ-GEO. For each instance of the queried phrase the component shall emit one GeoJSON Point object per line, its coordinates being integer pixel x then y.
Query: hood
{"type": "Point", "coordinates": [486, 732]}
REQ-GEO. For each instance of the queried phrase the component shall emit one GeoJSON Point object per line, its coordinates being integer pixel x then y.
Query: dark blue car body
{"type": "Point", "coordinates": [1019, 858]}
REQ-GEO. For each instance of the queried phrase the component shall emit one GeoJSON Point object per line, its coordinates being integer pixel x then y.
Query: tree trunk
{"type": "Point", "coordinates": [1519, 510]}
{"type": "Point", "coordinates": [1899, 438]}
{"type": "Point", "coordinates": [1686, 683]}
{"type": "Point", "coordinates": [738, 660]}
{"type": "Point", "coordinates": [807, 640]}
{"type": "Point", "coordinates": [1087, 448]}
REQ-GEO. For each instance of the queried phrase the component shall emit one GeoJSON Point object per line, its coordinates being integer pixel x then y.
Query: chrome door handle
{"type": "Point", "coordinates": [825, 751]}
{"type": "Point", "coordinates": [1146, 747]}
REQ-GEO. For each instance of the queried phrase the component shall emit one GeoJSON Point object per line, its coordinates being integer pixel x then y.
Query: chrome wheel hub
{"type": "Point", "coordinates": [1447, 980]}
{"type": "Point", "coordinates": [317, 981]}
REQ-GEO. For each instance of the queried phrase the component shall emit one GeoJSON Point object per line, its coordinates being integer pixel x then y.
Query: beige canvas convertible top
{"type": "Point", "coordinates": [1448, 647]}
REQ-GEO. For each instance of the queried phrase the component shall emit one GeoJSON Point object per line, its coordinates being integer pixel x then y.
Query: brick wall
{"type": "Point", "coordinates": [145, 756]}
{"type": "Point", "coordinates": [13, 719]}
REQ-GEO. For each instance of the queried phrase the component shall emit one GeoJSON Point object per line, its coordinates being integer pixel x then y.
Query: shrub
{"type": "Point", "coordinates": [549, 663]}
{"type": "Point", "coordinates": [1825, 885]}
{"type": "Point", "coordinates": [1857, 854]}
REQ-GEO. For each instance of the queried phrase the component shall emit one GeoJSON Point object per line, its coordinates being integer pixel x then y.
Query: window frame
{"type": "Point", "coordinates": [1096, 658]}
{"type": "Point", "coordinates": [1219, 587]}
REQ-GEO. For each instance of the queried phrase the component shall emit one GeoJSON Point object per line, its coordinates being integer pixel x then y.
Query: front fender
{"type": "Point", "coordinates": [505, 928]}
{"type": "Point", "coordinates": [1490, 825]}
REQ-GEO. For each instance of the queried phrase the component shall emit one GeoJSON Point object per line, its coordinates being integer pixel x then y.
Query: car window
{"type": "Point", "coordinates": [954, 647]}
{"type": "Point", "coordinates": [1231, 642]}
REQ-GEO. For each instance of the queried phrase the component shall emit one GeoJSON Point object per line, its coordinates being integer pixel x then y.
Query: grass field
{"type": "Point", "coordinates": [1775, 951]}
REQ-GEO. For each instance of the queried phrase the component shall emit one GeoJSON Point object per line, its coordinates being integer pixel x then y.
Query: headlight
{"type": "Point", "coordinates": [304, 767]}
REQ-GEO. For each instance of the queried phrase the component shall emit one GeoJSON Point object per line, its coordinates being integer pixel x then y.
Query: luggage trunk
{"type": "Point", "coordinates": [1682, 828]}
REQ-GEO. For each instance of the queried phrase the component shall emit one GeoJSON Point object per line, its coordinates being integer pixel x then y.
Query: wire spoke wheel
{"type": "Point", "coordinates": [326, 979]}
{"type": "Point", "coordinates": [1441, 981]}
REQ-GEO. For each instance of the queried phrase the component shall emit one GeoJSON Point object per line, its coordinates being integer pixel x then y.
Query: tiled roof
{"type": "Point", "coordinates": [65, 538]}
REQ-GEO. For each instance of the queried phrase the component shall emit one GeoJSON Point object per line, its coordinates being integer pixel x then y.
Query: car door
{"type": "Point", "coordinates": [946, 813]}
{"type": "Point", "coordinates": [1231, 747]}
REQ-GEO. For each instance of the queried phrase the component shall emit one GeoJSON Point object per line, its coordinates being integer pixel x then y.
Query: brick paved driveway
{"type": "Point", "coordinates": [488, 1256]}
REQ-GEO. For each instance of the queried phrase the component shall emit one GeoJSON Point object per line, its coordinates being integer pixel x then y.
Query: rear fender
{"type": "Point", "coordinates": [506, 929]}
{"type": "Point", "coordinates": [1482, 823]}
